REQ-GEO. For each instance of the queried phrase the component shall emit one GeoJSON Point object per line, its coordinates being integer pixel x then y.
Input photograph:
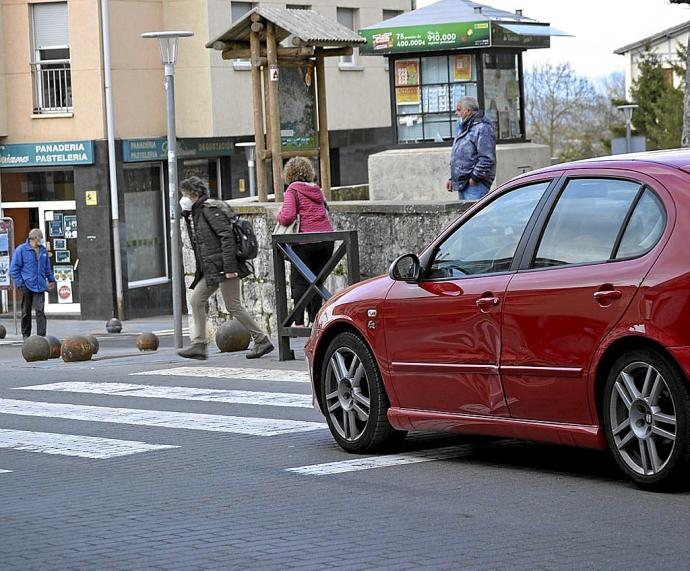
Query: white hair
{"type": "Point", "coordinates": [35, 234]}
{"type": "Point", "coordinates": [469, 102]}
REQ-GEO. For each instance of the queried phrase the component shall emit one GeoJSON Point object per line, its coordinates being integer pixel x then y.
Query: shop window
{"type": "Point", "coordinates": [427, 90]}
{"type": "Point", "coordinates": [35, 186]}
{"type": "Point", "coordinates": [145, 218]}
{"type": "Point", "coordinates": [348, 17]}
{"type": "Point", "coordinates": [502, 94]}
{"type": "Point", "coordinates": [51, 69]}
{"type": "Point", "coordinates": [206, 170]}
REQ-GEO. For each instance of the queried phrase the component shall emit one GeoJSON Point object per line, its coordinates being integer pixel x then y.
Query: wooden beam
{"type": "Point", "coordinates": [325, 155]}
{"type": "Point", "coordinates": [301, 153]}
{"type": "Point", "coordinates": [261, 182]}
{"type": "Point", "coordinates": [335, 52]}
{"type": "Point", "coordinates": [274, 111]}
{"type": "Point", "coordinates": [240, 50]}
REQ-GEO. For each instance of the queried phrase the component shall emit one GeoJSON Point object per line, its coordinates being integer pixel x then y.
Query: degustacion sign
{"type": "Point", "coordinates": [428, 37]}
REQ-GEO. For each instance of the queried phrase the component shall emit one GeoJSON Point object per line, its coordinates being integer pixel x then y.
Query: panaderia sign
{"type": "Point", "coordinates": [46, 154]}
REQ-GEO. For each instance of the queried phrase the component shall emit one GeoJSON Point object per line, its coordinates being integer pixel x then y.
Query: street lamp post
{"type": "Point", "coordinates": [627, 112]}
{"type": "Point", "coordinates": [249, 153]}
{"type": "Point", "coordinates": [169, 46]}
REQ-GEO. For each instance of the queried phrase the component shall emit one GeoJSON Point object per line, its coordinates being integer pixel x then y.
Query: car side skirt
{"type": "Point", "coordinates": [581, 435]}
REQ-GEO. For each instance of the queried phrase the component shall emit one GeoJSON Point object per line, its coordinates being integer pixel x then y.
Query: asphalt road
{"type": "Point", "coordinates": [223, 465]}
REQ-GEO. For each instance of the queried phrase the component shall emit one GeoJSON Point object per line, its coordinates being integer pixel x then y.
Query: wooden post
{"type": "Point", "coordinates": [324, 151]}
{"type": "Point", "coordinates": [261, 182]}
{"type": "Point", "coordinates": [274, 111]}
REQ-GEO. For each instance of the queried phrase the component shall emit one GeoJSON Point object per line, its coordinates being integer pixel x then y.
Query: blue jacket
{"type": "Point", "coordinates": [29, 271]}
{"type": "Point", "coordinates": [474, 152]}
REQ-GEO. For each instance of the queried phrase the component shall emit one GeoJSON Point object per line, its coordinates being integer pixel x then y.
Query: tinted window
{"type": "Point", "coordinates": [585, 222]}
{"type": "Point", "coordinates": [486, 243]}
{"type": "Point", "coordinates": [645, 227]}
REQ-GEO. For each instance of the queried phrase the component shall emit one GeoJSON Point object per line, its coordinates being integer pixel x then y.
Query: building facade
{"type": "Point", "coordinates": [54, 159]}
{"type": "Point", "coordinates": [665, 44]}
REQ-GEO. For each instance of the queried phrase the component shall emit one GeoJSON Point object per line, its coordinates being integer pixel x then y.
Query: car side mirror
{"type": "Point", "coordinates": [406, 268]}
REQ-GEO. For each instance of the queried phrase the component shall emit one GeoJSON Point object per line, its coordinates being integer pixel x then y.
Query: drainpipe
{"type": "Point", "coordinates": [112, 158]}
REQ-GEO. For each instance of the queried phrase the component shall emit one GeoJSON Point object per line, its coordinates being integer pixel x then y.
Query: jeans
{"type": "Point", "coordinates": [230, 290]}
{"type": "Point", "coordinates": [36, 301]}
{"type": "Point", "coordinates": [474, 191]}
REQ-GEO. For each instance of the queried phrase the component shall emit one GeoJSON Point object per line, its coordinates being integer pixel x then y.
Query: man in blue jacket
{"type": "Point", "coordinates": [32, 274]}
{"type": "Point", "coordinates": [473, 157]}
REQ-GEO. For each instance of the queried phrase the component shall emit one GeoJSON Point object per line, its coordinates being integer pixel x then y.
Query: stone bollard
{"type": "Point", "coordinates": [36, 348]}
{"type": "Point", "coordinates": [55, 346]}
{"type": "Point", "coordinates": [232, 336]}
{"type": "Point", "coordinates": [147, 342]}
{"type": "Point", "coordinates": [76, 348]}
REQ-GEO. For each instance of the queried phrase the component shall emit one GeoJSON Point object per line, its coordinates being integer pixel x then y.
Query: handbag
{"type": "Point", "coordinates": [293, 227]}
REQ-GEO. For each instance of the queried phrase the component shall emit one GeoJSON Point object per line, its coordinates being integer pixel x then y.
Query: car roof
{"type": "Point", "coordinates": [674, 158]}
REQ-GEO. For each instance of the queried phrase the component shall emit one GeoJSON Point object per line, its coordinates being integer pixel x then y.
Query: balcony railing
{"type": "Point", "coordinates": [52, 86]}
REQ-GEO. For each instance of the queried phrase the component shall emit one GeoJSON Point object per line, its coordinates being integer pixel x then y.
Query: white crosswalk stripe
{"type": "Point", "coordinates": [357, 464]}
{"type": "Point", "coordinates": [180, 393]}
{"type": "Point", "coordinates": [71, 445]}
{"type": "Point", "coordinates": [190, 421]}
{"type": "Point", "coordinates": [231, 373]}
{"type": "Point", "coordinates": [5, 471]}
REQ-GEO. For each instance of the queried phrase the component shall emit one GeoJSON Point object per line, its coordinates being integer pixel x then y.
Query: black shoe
{"type": "Point", "coordinates": [260, 349]}
{"type": "Point", "coordinates": [194, 351]}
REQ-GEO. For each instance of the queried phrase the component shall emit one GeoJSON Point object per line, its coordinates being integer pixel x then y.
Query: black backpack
{"type": "Point", "coordinates": [245, 238]}
{"type": "Point", "coordinates": [247, 244]}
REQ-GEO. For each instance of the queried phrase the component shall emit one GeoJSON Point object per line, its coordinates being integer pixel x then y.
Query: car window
{"type": "Point", "coordinates": [486, 242]}
{"type": "Point", "coordinates": [645, 227]}
{"type": "Point", "coordinates": [585, 222]}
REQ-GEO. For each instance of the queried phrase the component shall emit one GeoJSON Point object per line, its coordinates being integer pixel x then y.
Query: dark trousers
{"type": "Point", "coordinates": [315, 257]}
{"type": "Point", "coordinates": [36, 301]}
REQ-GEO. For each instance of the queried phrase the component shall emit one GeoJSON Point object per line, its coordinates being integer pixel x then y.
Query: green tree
{"type": "Point", "coordinates": [685, 73]}
{"type": "Point", "coordinates": [660, 113]}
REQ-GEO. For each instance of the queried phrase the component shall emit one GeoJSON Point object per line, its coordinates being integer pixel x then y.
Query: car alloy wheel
{"type": "Point", "coordinates": [353, 397]}
{"type": "Point", "coordinates": [645, 418]}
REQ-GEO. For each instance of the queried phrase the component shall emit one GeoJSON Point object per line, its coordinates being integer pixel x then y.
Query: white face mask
{"type": "Point", "coordinates": [186, 203]}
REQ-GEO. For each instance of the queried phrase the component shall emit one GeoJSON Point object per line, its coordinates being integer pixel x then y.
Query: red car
{"type": "Point", "coordinates": [557, 308]}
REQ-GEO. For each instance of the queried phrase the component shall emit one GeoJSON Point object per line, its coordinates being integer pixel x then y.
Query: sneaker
{"type": "Point", "coordinates": [194, 351]}
{"type": "Point", "coordinates": [260, 349]}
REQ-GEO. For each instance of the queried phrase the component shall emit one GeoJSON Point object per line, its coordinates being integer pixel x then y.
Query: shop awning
{"type": "Point", "coordinates": [533, 30]}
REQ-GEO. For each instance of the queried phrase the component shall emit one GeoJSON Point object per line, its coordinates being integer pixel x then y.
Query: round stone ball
{"type": "Point", "coordinates": [232, 336]}
{"type": "Point", "coordinates": [3, 331]}
{"type": "Point", "coordinates": [95, 345]}
{"type": "Point", "coordinates": [147, 342]}
{"type": "Point", "coordinates": [76, 348]}
{"type": "Point", "coordinates": [113, 326]}
{"type": "Point", "coordinates": [55, 347]}
{"type": "Point", "coordinates": [36, 348]}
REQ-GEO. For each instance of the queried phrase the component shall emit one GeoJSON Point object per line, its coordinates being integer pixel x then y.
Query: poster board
{"type": "Point", "coordinates": [6, 251]}
{"type": "Point", "coordinates": [297, 103]}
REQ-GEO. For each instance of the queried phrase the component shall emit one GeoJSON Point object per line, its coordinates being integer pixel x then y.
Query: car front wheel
{"type": "Point", "coordinates": [645, 413]}
{"type": "Point", "coordinates": [353, 397]}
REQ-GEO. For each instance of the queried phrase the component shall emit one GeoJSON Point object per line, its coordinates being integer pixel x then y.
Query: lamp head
{"type": "Point", "coordinates": [168, 42]}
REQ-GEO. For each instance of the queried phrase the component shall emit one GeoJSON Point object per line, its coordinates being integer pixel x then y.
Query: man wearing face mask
{"type": "Point", "coordinates": [473, 156]}
{"type": "Point", "coordinates": [217, 267]}
{"type": "Point", "coordinates": [33, 276]}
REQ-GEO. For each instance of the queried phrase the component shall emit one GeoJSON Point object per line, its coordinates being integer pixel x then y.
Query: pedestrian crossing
{"type": "Point", "coordinates": [150, 387]}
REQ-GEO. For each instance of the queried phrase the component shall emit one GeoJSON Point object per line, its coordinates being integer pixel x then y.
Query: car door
{"type": "Point", "coordinates": [443, 334]}
{"type": "Point", "coordinates": [577, 278]}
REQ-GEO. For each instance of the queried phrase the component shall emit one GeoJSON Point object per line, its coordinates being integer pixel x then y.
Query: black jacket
{"type": "Point", "coordinates": [213, 240]}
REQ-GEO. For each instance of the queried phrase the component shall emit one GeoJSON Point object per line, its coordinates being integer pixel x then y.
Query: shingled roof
{"type": "Point", "coordinates": [309, 26]}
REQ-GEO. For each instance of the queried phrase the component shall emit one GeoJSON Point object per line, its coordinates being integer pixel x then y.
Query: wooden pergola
{"type": "Point", "coordinates": [258, 35]}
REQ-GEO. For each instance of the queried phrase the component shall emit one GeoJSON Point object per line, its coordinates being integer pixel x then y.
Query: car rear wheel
{"type": "Point", "coordinates": [353, 397]}
{"type": "Point", "coordinates": [646, 406]}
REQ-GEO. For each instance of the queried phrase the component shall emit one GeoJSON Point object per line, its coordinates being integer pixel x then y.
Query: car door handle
{"type": "Point", "coordinates": [608, 295]}
{"type": "Point", "coordinates": [486, 303]}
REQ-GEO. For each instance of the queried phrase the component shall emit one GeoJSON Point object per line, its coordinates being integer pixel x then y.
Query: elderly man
{"type": "Point", "coordinates": [33, 276]}
{"type": "Point", "coordinates": [473, 157]}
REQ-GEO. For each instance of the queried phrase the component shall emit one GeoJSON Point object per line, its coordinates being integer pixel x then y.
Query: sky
{"type": "Point", "coordinates": [599, 27]}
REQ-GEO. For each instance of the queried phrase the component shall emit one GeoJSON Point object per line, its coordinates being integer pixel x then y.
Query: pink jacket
{"type": "Point", "coordinates": [310, 204]}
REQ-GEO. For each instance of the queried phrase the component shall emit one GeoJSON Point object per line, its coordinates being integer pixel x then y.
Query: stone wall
{"type": "Point", "coordinates": [421, 173]}
{"type": "Point", "coordinates": [385, 230]}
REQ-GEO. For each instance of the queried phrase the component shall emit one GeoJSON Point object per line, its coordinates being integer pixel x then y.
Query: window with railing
{"type": "Point", "coordinates": [51, 71]}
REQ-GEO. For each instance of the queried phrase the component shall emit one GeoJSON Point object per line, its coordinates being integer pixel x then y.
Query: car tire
{"type": "Point", "coordinates": [646, 408]}
{"type": "Point", "coordinates": [353, 397]}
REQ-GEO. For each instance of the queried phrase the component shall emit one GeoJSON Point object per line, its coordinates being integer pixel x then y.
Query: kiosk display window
{"type": "Point", "coordinates": [502, 94]}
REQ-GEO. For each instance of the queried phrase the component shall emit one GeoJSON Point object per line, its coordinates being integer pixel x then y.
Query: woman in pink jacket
{"type": "Point", "coordinates": [304, 198]}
